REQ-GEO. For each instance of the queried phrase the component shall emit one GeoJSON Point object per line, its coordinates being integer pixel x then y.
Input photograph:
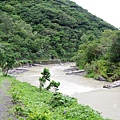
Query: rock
{"type": "Point", "coordinates": [101, 78]}
{"type": "Point", "coordinates": [71, 69]}
{"type": "Point", "coordinates": [11, 71]}
{"type": "Point", "coordinates": [64, 112]}
{"type": "Point", "coordinates": [113, 84]}
{"type": "Point", "coordinates": [35, 64]}
{"type": "Point", "coordinates": [78, 72]}
{"type": "Point", "coordinates": [17, 71]}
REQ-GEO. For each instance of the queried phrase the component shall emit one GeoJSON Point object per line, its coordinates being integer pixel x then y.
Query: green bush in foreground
{"type": "Point", "coordinates": [32, 104]}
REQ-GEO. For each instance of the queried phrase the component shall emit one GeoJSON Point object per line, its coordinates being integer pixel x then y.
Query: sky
{"type": "Point", "coordinates": [108, 10]}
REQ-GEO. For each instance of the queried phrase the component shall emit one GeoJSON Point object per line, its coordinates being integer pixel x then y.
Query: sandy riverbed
{"type": "Point", "coordinates": [87, 91]}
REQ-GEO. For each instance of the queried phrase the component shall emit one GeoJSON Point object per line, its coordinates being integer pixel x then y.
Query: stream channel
{"type": "Point", "coordinates": [88, 91]}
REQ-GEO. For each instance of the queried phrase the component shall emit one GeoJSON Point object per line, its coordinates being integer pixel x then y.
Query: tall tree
{"type": "Point", "coordinates": [115, 49]}
{"type": "Point", "coordinates": [7, 59]}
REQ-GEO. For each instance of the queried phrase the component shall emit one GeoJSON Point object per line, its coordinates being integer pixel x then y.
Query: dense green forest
{"type": "Point", "coordinates": [101, 57]}
{"type": "Point", "coordinates": [44, 29]}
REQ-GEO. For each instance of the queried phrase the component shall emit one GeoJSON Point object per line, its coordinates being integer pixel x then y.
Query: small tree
{"type": "Point", "coordinates": [7, 60]}
{"type": "Point", "coordinates": [115, 49]}
{"type": "Point", "coordinates": [46, 77]}
{"type": "Point", "coordinates": [53, 84]}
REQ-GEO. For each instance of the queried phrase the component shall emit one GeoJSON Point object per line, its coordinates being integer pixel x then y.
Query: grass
{"type": "Point", "coordinates": [32, 104]}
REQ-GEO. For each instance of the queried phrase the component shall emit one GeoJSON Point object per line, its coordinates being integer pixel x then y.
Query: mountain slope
{"type": "Point", "coordinates": [47, 28]}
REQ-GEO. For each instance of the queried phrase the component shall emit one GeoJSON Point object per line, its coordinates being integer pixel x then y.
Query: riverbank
{"type": "Point", "coordinates": [88, 91]}
{"type": "Point", "coordinates": [47, 105]}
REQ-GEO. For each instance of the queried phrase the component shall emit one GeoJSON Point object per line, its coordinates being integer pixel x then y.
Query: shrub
{"type": "Point", "coordinates": [46, 77]}
{"type": "Point", "coordinates": [60, 100]}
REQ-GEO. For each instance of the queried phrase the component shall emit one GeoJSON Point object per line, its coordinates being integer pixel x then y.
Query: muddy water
{"type": "Point", "coordinates": [86, 90]}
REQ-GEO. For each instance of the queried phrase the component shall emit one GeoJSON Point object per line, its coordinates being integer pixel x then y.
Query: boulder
{"type": "Point", "coordinates": [113, 84]}
{"type": "Point", "coordinates": [78, 72]}
{"type": "Point", "coordinates": [101, 78]}
{"type": "Point", "coordinates": [71, 69]}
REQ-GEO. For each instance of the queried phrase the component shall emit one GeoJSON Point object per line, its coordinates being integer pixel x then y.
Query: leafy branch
{"type": "Point", "coordinates": [46, 77]}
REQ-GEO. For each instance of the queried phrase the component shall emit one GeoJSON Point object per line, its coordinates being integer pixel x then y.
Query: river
{"type": "Point", "coordinates": [88, 91]}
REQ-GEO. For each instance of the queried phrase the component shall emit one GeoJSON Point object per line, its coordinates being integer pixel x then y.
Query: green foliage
{"type": "Point", "coordinates": [46, 74]}
{"type": "Point", "coordinates": [90, 70]}
{"type": "Point", "coordinates": [96, 68]}
{"type": "Point", "coordinates": [87, 53]}
{"type": "Point", "coordinates": [42, 29]}
{"type": "Point", "coordinates": [80, 59]}
{"type": "Point", "coordinates": [115, 49]}
{"type": "Point", "coordinates": [28, 108]}
{"type": "Point", "coordinates": [77, 113]}
{"type": "Point", "coordinates": [102, 68]}
{"type": "Point", "coordinates": [22, 63]}
{"type": "Point", "coordinates": [114, 71]}
{"type": "Point", "coordinates": [53, 84]}
{"type": "Point", "coordinates": [18, 34]}
{"type": "Point", "coordinates": [59, 100]}
{"type": "Point", "coordinates": [101, 56]}
{"type": "Point", "coordinates": [46, 77]}
{"type": "Point", "coordinates": [45, 105]}
{"type": "Point", "coordinates": [47, 29]}
{"type": "Point", "coordinates": [7, 59]}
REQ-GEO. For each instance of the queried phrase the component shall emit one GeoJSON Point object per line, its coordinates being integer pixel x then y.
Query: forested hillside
{"type": "Point", "coordinates": [101, 57]}
{"type": "Point", "coordinates": [34, 30]}
{"type": "Point", "coordinates": [37, 29]}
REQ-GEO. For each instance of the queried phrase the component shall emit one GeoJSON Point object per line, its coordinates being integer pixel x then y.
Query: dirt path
{"type": "Point", "coordinates": [5, 101]}
{"type": "Point", "coordinates": [87, 91]}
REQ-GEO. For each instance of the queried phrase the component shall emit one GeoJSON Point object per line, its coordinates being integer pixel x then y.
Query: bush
{"type": "Point", "coordinates": [46, 77]}
{"type": "Point", "coordinates": [60, 100]}
{"type": "Point", "coordinates": [90, 69]}
{"type": "Point", "coordinates": [96, 68]}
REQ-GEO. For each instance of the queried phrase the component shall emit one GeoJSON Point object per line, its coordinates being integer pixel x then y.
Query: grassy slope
{"type": "Point", "coordinates": [31, 104]}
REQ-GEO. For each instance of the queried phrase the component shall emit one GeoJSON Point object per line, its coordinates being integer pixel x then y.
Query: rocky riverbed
{"type": "Point", "coordinates": [88, 91]}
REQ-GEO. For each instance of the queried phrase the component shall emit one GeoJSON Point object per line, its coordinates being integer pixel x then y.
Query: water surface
{"type": "Point", "coordinates": [88, 91]}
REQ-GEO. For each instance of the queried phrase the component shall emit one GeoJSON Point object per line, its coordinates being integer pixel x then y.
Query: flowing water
{"type": "Point", "coordinates": [88, 91]}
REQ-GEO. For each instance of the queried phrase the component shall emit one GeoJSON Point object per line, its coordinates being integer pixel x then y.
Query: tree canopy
{"type": "Point", "coordinates": [101, 56]}
{"type": "Point", "coordinates": [47, 29]}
